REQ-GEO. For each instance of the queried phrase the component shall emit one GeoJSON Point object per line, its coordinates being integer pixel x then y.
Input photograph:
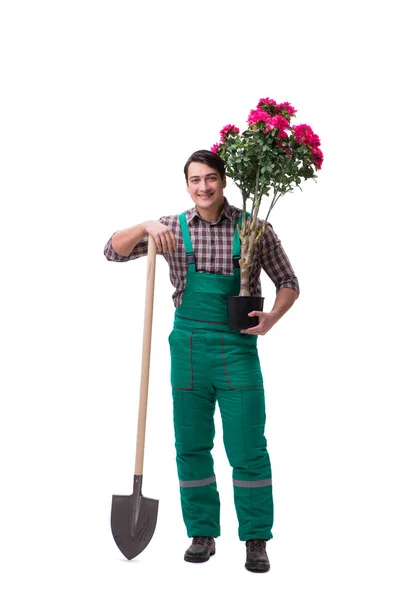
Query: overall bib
{"type": "Point", "coordinates": [210, 362]}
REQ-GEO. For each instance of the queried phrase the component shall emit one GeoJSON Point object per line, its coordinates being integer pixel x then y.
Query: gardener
{"type": "Point", "coordinates": [210, 362]}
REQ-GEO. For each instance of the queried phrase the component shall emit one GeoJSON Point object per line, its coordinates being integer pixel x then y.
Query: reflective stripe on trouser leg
{"type": "Point", "coordinates": [194, 435]}
{"type": "Point", "coordinates": [243, 418]}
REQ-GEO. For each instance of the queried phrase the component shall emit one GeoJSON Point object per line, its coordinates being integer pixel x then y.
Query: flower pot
{"type": "Point", "coordinates": [239, 308]}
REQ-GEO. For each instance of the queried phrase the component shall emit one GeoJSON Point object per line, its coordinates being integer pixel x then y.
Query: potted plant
{"type": "Point", "coordinates": [270, 158]}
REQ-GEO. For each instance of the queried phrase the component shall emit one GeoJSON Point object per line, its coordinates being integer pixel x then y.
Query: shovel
{"type": "Point", "coordinates": [134, 518]}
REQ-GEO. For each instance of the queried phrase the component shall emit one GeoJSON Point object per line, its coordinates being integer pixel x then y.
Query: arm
{"type": "Point", "coordinates": [276, 264]}
{"type": "Point", "coordinates": [285, 298]}
{"type": "Point", "coordinates": [124, 241]}
{"type": "Point", "coordinates": [122, 244]}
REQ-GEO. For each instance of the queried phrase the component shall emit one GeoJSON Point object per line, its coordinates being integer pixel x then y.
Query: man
{"type": "Point", "coordinates": [210, 362]}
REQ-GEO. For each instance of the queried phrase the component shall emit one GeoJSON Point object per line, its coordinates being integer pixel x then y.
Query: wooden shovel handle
{"type": "Point", "coordinates": [146, 349]}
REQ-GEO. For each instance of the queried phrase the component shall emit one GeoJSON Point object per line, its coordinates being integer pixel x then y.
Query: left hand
{"type": "Point", "coordinates": [265, 322]}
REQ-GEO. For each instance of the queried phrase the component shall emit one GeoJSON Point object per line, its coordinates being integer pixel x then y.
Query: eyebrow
{"type": "Point", "coordinates": [207, 175]}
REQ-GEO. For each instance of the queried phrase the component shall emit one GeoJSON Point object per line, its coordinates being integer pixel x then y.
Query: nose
{"type": "Point", "coordinates": [204, 185]}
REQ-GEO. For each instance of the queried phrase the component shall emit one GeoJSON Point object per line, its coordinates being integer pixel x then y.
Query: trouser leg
{"type": "Point", "coordinates": [242, 405]}
{"type": "Point", "coordinates": [194, 435]}
{"type": "Point", "coordinates": [243, 421]}
{"type": "Point", "coordinates": [194, 407]}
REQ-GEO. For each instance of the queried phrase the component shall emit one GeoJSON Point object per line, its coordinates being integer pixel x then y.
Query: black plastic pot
{"type": "Point", "coordinates": [239, 308]}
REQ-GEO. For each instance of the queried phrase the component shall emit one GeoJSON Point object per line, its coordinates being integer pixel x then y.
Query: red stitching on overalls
{"type": "Point", "coordinates": [200, 321]}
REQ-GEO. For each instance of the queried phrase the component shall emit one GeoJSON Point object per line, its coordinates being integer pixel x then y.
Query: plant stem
{"type": "Point", "coordinates": [256, 199]}
{"type": "Point", "coordinates": [274, 201]}
{"type": "Point", "coordinates": [248, 242]}
{"type": "Point", "coordinates": [242, 230]}
{"type": "Point", "coordinates": [244, 201]}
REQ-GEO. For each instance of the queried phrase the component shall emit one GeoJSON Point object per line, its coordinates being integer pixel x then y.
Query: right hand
{"type": "Point", "coordinates": [163, 236]}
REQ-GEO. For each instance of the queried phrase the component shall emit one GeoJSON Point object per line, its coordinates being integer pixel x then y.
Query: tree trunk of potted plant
{"type": "Point", "coordinates": [250, 232]}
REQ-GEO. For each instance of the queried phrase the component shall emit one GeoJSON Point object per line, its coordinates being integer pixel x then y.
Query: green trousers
{"type": "Point", "coordinates": [209, 366]}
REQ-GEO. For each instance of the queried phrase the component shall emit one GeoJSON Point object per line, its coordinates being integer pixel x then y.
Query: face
{"type": "Point", "coordinates": [205, 186]}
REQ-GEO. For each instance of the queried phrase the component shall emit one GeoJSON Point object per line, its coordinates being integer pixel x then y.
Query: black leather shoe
{"type": "Point", "coordinates": [256, 556]}
{"type": "Point", "coordinates": [201, 549]}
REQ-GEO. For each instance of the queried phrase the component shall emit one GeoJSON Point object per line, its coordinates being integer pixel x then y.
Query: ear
{"type": "Point", "coordinates": [224, 181]}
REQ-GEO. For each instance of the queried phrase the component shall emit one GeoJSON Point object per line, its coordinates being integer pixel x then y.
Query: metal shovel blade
{"type": "Point", "coordinates": [133, 520]}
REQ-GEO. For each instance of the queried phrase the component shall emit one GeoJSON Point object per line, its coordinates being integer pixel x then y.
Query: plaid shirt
{"type": "Point", "coordinates": [212, 246]}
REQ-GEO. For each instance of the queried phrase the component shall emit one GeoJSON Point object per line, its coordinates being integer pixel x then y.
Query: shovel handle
{"type": "Point", "coordinates": [146, 349]}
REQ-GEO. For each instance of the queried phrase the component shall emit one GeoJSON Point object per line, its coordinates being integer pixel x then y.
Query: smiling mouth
{"type": "Point", "coordinates": [205, 196]}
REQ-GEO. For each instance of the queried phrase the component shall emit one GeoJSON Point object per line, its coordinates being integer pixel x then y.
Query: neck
{"type": "Point", "coordinates": [210, 214]}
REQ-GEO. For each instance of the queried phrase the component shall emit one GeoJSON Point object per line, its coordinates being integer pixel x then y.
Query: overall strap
{"type": "Point", "coordinates": [189, 248]}
{"type": "Point", "coordinates": [188, 243]}
{"type": "Point", "coordinates": [236, 245]}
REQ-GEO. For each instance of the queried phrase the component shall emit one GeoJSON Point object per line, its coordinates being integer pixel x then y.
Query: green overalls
{"type": "Point", "coordinates": [210, 362]}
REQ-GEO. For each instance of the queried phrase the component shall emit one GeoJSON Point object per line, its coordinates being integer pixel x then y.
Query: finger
{"type": "Point", "coordinates": [255, 313]}
{"type": "Point", "coordinates": [171, 242]}
{"type": "Point", "coordinates": [164, 243]}
{"type": "Point", "coordinates": [157, 241]}
{"type": "Point", "coordinates": [168, 241]}
{"type": "Point", "coordinates": [251, 330]}
{"type": "Point", "coordinates": [165, 240]}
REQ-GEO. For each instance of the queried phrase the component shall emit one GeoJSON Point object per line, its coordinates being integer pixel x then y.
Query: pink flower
{"type": "Point", "coordinates": [288, 108]}
{"type": "Point", "coordinates": [285, 109]}
{"type": "Point", "coordinates": [256, 116]}
{"type": "Point", "coordinates": [228, 129]}
{"type": "Point", "coordinates": [305, 135]}
{"type": "Point", "coordinates": [266, 102]}
{"type": "Point", "coordinates": [215, 148]}
{"type": "Point", "coordinates": [277, 122]}
{"type": "Point", "coordinates": [318, 157]}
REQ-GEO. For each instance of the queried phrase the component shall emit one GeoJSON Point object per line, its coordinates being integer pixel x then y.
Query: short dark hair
{"type": "Point", "coordinates": [208, 158]}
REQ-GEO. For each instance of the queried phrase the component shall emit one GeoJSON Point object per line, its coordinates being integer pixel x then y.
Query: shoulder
{"type": "Point", "coordinates": [171, 221]}
{"type": "Point", "coordinates": [269, 238]}
{"type": "Point", "coordinates": [232, 212]}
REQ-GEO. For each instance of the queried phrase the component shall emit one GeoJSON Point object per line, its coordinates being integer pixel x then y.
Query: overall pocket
{"type": "Point", "coordinates": [240, 363]}
{"type": "Point", "coordinates": [181, 349]}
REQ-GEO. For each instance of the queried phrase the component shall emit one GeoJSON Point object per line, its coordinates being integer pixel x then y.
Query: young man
{"type": "Point", "coordinates": [209, 362]}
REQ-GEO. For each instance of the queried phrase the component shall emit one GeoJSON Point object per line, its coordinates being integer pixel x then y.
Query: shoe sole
{"type": "Point", "coordinates": [257, 567]}
{"type": "Point", "coordinates": [198, 559]}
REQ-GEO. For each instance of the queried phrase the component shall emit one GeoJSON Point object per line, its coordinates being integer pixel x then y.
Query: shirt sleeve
{"type": "Point", "coordinates": [276, 263]}
{"type": "Point", "coordinates": [139, 250]}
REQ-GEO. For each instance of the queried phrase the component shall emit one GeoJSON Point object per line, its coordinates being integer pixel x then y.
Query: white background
{"type": "Point", "coordinates": [101, 104]}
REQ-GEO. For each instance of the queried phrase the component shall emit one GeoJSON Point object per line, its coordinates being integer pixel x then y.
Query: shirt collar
{"type": "Point", "coordinates": [227, 212]}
